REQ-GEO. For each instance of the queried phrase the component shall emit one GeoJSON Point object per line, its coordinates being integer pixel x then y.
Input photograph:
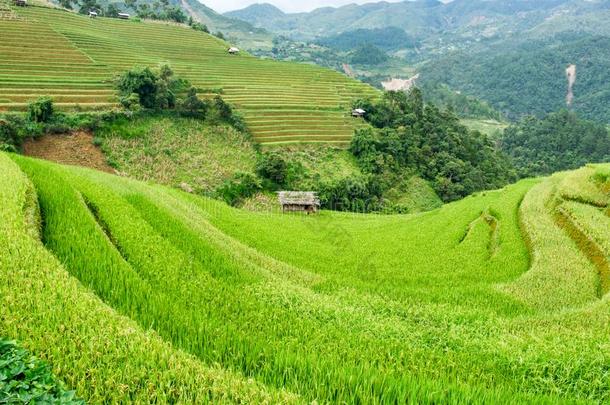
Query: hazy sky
{"type": "Point", "coordinates": [291, 6]}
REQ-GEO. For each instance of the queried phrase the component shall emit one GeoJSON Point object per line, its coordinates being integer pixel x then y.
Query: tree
{"type": "Point", "coordinates": [41, 110]}
{"type": "Point", "coordinates": [88, 5]}
{"type": "Point", "coordinates": [368, 54]}
{"type": "Point", "coordinates": [411, 136]}
{"type": "Point", "coordinates": [141, 81]}
{"type": "Point", "coordinates": [193, 106]}
{"type": "Point", "coordinates": [273, 167]}
{"type": "Point", "coordinates": [174, 14]}
{"type": "Point", "coordinates": [112, 11]}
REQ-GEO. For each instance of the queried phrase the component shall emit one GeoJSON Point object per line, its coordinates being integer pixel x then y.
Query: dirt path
{"type": "Point", "coordinates": [71, 149]}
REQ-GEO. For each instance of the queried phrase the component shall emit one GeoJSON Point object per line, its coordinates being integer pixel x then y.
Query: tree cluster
{"type": "Point", "coordinates": [559, 141]}
{"type": "Point", "coordinates": [411, 136]}
{"type": "Point", "coordinates": [160, 89]}
{"type": "Point", "coordinates": [157, 10]}
{"type": "Point", "coordinates": [197, 26]}
{"type": "Point", "coordinates": [368, 54]}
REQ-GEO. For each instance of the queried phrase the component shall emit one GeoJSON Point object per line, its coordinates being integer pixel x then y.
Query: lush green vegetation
{"type": "Point", "coordinates": [25, 379]}
{"type": "Point", "coordinates": [465, 106]}
{"type": "Point", "coordinates": [512, 55]}
{"type": "Point", "coordinates": [411, 136]}
{"type": "Point", "coordinates": [529, 78]}
{"type": "Point", "coordinates": [73, 59]}
{"type": "Point", "coordinates": [389, 38]}
{"type": "Point", "coordinates": [559, 141]}
{"type": "Point", "coordinates": [368, 54]}
{"type": "Point", "coordinates": [322, 306]}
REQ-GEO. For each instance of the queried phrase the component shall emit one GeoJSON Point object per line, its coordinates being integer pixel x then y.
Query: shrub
{"type": "Point", "coordinates": [140, 81]}
{"type": "Point", "coordinates": [41, 110]}
{"type": "Point", "coordinates": [241, 186]}
{"type": "Point", "coordinates": [357, 193]}
{"type": "Point", "coordinates": [131, 102]}
{"type": "Point", "coordinates": [271, 166]}
{"type": "Point", "coordinates": [193, 106]}
{"type": "Point", "coordinates": [8, 136]}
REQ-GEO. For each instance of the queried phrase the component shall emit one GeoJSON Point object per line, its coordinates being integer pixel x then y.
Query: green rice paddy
{"type": "Point", "coordinates": [74, 58]}
{"type": "Point", "coordinates": [137, 292]}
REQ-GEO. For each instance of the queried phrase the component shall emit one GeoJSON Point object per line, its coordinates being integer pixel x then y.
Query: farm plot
{"type": "Point", "coordinates": [454, 305]}
{"type": "Point", "coordinates": [73, 58]}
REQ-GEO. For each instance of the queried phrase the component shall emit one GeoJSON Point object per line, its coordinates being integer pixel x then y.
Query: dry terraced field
{"type": "Point", "coordinates": [140, 293]}
{"type": "Point", "coordinates": [73, 59]}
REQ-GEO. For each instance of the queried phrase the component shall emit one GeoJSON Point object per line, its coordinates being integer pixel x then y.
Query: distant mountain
{"type": "Point", "coordinates": [422, 18]}
{"type": "Point", "coordinates": [257, 14]}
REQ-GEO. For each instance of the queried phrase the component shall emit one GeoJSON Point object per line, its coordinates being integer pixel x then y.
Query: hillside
{"type": "Point", "coordinates": [510, 54]}
{"type": "Point", "coordinates": [528, 77]}
{"type": "Point", "coordinates": [73, 59]}
{"type": "Point", "coordinates": [455, 305]}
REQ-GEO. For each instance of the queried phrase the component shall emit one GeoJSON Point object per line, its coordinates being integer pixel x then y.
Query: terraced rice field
{"type": "Point", "coordinates": [139, 293]}
{"type": "Point", "coordinates": [73, 58]}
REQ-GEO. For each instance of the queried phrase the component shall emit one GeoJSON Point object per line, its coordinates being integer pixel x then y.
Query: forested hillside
{"type": "Point", "coordinates": [529, 77]}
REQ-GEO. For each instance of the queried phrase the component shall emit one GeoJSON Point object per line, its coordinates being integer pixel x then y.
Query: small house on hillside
{"type": "Point", "coordinates": [358, 113]}
{"type": "Point", "coordinates": [21, 3]}
{"type": "Point", "coordinates": [299, 201]}
{"type": "Point", "coordinates": [233, 51]}
{"type": "Point", "coordinates": [92, 14]}
{"type": "Point", "coordinates": [123, 16]}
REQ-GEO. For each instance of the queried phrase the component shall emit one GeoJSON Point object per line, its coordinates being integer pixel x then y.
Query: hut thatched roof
{"type": "Point", "coordinates": [298, 198]}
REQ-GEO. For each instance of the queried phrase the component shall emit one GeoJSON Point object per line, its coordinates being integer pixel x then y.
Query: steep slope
{"type": "Point", "coordinates": [456, 305]}
{"type": "Point", "coordinates": [73, 59]}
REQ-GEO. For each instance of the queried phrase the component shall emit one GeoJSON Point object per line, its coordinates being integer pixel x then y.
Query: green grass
{"type": "Point", "coordinates": [173, 151]}
{"type": "Point", "coordinates": [491, 299]}
{"type": "Point", "coordinates": [66, 54]}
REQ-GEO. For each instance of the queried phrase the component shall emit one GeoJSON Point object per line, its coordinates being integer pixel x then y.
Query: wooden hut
{"type": "Point", "coordinates": [92, 14]}
{"type": "Point", "coordinates": [299, 201]}
{"type": "Point", "coordinates": [233, 51]}
{"type": "Point", "coordinates": [123, 16]}
{"type": "Point", "coordinates": [358, 113]}
{"type": "Point", "coordinates": [21, 3]}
